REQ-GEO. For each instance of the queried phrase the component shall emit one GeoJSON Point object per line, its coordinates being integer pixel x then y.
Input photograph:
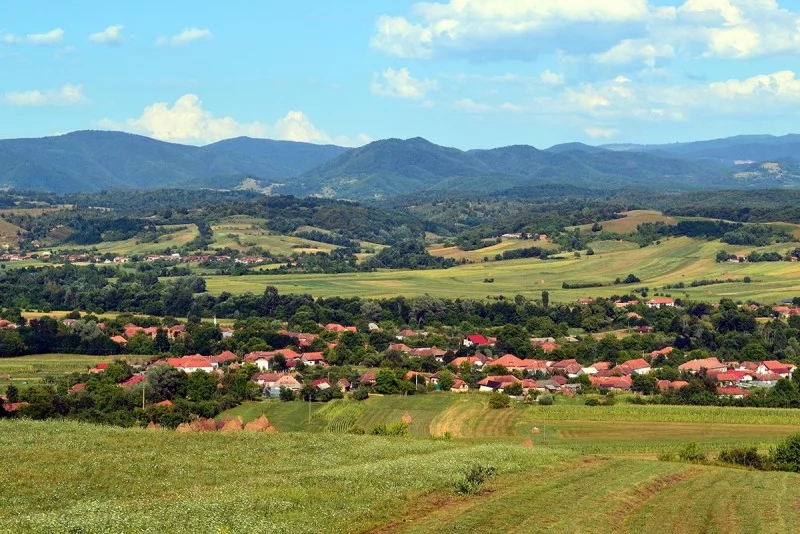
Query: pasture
{"type": "Point", "coordinates": [587, 469]}
{"type": "Point", "coordinates": [23, 371]}
{"type": "Point", "coordinates": [670, 262]}
{"type": "Point", "coordinates": [630, 220]}
{"type": "Point", "coordinates": [489, 252]}
{"type": "Point", "coordinates": [173, 236]}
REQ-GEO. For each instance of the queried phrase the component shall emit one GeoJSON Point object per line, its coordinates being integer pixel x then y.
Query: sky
{"type": "Point", "coordinates": [463, 73]}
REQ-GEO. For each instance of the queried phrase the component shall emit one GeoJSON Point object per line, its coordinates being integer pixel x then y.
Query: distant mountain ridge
{"type": "Point", "coordinates": [88, 161]}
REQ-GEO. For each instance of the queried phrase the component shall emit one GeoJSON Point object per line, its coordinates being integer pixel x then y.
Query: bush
{"type": "Point", "coordinates": [499, 401]}
{"type": "Point", "coordinates": [691, 453]}
{"type": "Point", "coordinates": [591, 402]}
{"type": "Point", "coordinates": [360, 394]}
{"type": "Point", "coordinates": [786, 455]}
{"type": "Point", "coordinates": [745, 456]}
{"type": "Point", "coordinates": [475, 476]}
{"type": "Point", "coordinates": [397, 428]}
{"type": "Point", "coordinates": [546, 400]}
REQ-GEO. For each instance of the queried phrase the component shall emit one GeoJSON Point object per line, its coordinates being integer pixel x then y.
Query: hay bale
{"type": "Point", "coordinates": [527, 443]}
{"type": "Point", "coordinates": [153, 426]}
{"type": "Point", "coordinates": [234, 425]}
{"type": "Point", "coordinates": [184, 427]}
{"type": "Point", "coordinates": [535, 430]}
{"type": "Point", "coordinates": [407, 418]}
{"type": "Point", "coordinates": [258, 425]}
{"type": "Point", "coordinates": [271, 430]}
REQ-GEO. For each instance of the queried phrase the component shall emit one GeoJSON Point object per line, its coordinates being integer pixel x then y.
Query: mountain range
{"type": "Point", "coordinates": [89, 161]}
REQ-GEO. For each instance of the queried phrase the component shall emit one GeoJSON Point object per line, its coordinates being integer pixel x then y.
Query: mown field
{"type": "Point", "coordinates": [34, 369]}
{"type": "Point", "coordinates": [488, 252]}
{"type": "Point", "coordinates": [589, 469]}
{"type": "Point", "coordinates": [174, 236]}
{"type": "Point", "coordinates": [673, 261]}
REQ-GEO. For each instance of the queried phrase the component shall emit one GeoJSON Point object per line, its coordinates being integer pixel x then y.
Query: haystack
{"type": "Point", "coordinates": [234, 425]}
{"type": "Point", "coordinates": [258, 425]}
{"type": "Point", "coordinates": [407, 418]}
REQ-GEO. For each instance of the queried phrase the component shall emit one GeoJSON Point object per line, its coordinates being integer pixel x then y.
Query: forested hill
{"type": "Point", "coordinates": [91, 161]}
{"type": "Point", "coordinates": [95, 160]}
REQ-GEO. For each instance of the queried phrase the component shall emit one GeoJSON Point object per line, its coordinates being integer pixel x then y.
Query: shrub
{"type": "Point", "coordinates": [691, 453]}
{"type": "Point", "coordinates": [499, 400]}
{"type": "Point", "coordinates": [396, 428]}
{"type": "Point", "coordinates": [361, 394]}
{"type": "Point", "coordinates": [475, 476]}
{"type": "Point", "coordinates": [786, 455]}
{"type": "Point", "coordinates": [745, 456]}
{"type": "Point", "coordinates": [591, 402]}
{"type": "Point", "coordinates": [546, 400]}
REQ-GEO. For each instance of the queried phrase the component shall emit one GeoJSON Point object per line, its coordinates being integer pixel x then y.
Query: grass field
{"type": "Point", "coordinates": [674, 260]}
{"type": "Point", "coordinates": [630, 221]}
{"type": "Point", "coordinates": [181, 235]}
{"type": "Point", "coordinates": [27, 370]}
{"type": "Point", "coordinates": [589, 469]}
{"type": "Point", "coordinates": [488, 252]}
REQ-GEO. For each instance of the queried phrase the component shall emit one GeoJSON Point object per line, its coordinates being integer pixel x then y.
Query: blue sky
{"type": "Point", "coordinates": [464, 73]}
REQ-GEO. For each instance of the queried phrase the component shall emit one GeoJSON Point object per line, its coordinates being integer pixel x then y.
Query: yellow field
{"type": "Point", "coordinates": [134, 246]}
{"type": "Point", "coordinates": [631, 220]}
{"type": "Point", "coordinates": [475, 256]}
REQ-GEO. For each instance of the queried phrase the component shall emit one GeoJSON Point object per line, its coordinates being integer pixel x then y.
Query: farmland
{"type": "Point", "coordinates": [600, 460]}
{"type": "Point", "coordinates": [673, 260]}
{"type": "Point", "coordinates": [27, 370]}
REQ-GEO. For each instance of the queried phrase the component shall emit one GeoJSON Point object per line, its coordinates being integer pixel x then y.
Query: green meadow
{"type": "Point", "coordinates": [670, 262]}
{"type": "Point", "coordinates": [561, 468]}
{"type": "Point", "coordinates": [24, 371]}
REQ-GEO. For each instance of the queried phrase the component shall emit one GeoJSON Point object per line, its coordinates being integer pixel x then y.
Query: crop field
{"type": "Point", "coordinates": [241, 233]}
{"type": "Point", "coordinates": [630, 221]}
{"type": "Point", "coordinates": [673, 261]}
{"type": "Point", "coordinates": [489, 252]}
{"type": "Point", "coordinates": [183, 233]}
{"type": "Point", "coordinates": [584, 469]}
{"type": "Point", "coordinates": [27, 370]}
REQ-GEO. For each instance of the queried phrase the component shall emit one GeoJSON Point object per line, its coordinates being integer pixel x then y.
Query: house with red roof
{"type": "Point", "coordinates": [510, 362]}
{"type": "Point", "coordinates": [344, 384]}
{"type": "Point", "coordinates": [638, 366]}
{"type": "Point", "coordinates": [313, 358]}
{"type": "Point", "coordinates": [132, 381]}
{"type": "Point", "coordinates": [474, 340]}
{"type": "Point", "coordinates": [661, 302]}
{"type": "Point", "coordinates": [77, 388]}
{"type": "Point", "coordinates": [473, 361]}
{"type": "Point", "coordinates": [322, 384]}
{"type": "Point", "coordinates": [369, 378]}
{"type": "Point", "coordinates": [783, 369]}
{"type": "Point", "coordinates": [405, 333]}
{"type": "Point", "coordinates": [224, 357]}
{"type": "Point", "coordinates": [732, 391]}
{"type": "Point", "coordinates": [190, 364]}
{"type": "Point", "coordinates": [497, 382]}
{"type": "Point", "coordinates": [459, 386]}
{"type": "Point", "coordinates": [708, 364]}
{"type": "Point", "coordinates": [666, 351]}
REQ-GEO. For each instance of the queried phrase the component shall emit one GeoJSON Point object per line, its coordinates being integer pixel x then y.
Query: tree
{"type": "Point", "coordinates": [161, 342]}
{"type": "Point", "coordinates": [446, 380]}
{"type": "Point", "coordinates": [499, 400]}
{"type": "Point", "coordinates": [201, 386]}
{"type": "Point", "coordinates": [644, 384]}
{"type": "Point", "coordinates": [787, 454]}
{"type": "Point", "coordinates": [11, 344]}
{"type": "Point", "coordinates": [286, 394]}
{"type": "Point", "coordinates": [513, 389]}
{"type": "Point", "coordinates": [164, 382]}
{"type": "Point", "coordinates": [386, 382]}
{"type": "Point", "coordinates": [12, 393]}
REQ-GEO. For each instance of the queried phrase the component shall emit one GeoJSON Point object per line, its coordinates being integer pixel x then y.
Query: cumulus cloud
{"type": "Point", "coordinates": [49, 38]}
{"type": "Point", "coordinates": [468, 105]}
{"type": "Point", "coordinates": [601, 133]}
{"type": "Point", "coordinates": [186, 121]}
{"type": "Point", "coordinates": [111, 36]}
{"type": "Point", "coordinates": [9, 38]}
{"type": "Point", "coordinates": [189, 35]}
{"type": "Point", "coordinates": [551, 78]}
{"type": "Point", "coordinates": [469, 26]}
{"type": "Point", "coordinates": [610, 32]}
{"type": "Point", "coordinates": [66, 95]}
{"type": "Point", "coordinates": [400, 84]}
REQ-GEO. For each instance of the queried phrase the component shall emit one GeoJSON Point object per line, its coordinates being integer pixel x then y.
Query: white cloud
{"type": "Point", "coordinates": [110, 36]}
{"type": "Point", "coordinates": [189, 35]}
{"type": "Point", "coordinates": [465, 25]}
{"type": "Point", "coordinates": [468, 105]}
{"type": "Point", "coordinates": [9, 38]}
{"type": "Point", "coordinates": [611, 32]}
{"type": "Point", "coordinates": [50, 38]}
{"type": "Point", "coordinates": [186, 121]}
{"type": "Point", "coordinates": [400, 84]}
{"type": "Point", "coordinates": [66, 95]}
{"type": "Point", "coordinates": [551, 78]}
{"type": "Point", "coordinates": [779, 85]}
{"type": "Point", "coordinates": [601, 133]}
